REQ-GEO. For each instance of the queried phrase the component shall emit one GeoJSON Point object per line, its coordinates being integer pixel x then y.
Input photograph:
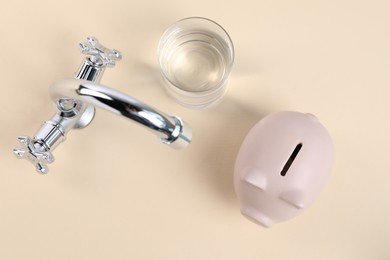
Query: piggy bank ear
{"type": "Point", "coordinates": [295, 198]}
{"type": "Point", "coordinates": [255, 177]}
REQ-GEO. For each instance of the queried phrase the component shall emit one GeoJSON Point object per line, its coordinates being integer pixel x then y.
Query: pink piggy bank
{"type": "Point", "coordinates": [283, 163]}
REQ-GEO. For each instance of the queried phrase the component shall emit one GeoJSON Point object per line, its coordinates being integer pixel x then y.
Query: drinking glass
{"type": "Point", "coordinates": [196, 57]}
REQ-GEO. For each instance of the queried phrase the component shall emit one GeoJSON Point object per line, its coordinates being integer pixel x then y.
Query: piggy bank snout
{"type": "Point", "coordinates": [283, 163]}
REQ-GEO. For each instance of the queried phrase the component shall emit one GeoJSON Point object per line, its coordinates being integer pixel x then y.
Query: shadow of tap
{"type": "Point", "coordinates": [218, 131]}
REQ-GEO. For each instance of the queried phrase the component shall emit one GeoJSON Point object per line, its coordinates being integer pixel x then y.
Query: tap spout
{"type": "Point", "coordinates": [170, 129]}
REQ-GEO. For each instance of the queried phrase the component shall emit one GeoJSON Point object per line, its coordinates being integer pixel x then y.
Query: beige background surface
{"type": "Point", "coordinates": [114, 192]}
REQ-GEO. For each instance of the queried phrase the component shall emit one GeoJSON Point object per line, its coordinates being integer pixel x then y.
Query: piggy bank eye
{"type": "Point", "coordinates": [291, 159]}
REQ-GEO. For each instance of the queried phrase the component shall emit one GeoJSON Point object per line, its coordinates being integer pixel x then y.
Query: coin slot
{"type": "Point", "coordinates": [291, 159]}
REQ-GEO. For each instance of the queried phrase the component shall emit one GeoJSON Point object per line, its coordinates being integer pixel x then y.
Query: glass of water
{"type": "Point", "coordinates": [196, 57]}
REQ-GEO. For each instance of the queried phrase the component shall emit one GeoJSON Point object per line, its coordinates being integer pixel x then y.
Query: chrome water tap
{"type": "Point", "coordinates": [76, 99]}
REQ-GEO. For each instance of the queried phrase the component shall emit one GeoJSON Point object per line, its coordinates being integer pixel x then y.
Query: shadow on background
{"type": "Point", "coordinates": [218, 154]}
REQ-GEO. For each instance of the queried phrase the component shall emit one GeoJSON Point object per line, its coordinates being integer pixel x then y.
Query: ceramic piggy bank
{"type": "Point", "coordinates": [281, 167]}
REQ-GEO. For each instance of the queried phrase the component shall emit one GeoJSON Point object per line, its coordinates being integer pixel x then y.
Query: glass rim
{"type": "Point", "coordinates": [200, 18]}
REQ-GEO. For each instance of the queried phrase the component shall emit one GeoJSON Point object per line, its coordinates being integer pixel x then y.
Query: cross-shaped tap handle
{"type": "Point", "coordinates": [34, 152]}
{"type": "Point", "coordinates": [100, 55]}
